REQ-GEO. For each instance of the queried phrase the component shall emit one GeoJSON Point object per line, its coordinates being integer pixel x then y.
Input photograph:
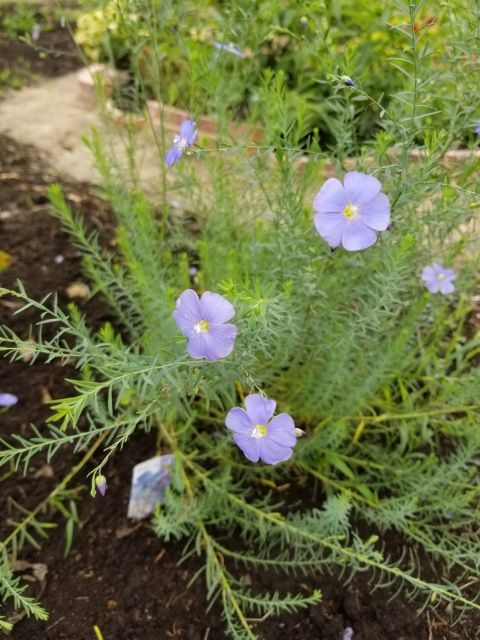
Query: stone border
{"type": "Point", "coordinates": [170, 118]}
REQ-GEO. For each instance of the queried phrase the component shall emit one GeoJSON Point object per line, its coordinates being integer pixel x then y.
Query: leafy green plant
{"type": "Point", "coordinates": [306, 41]}
{"type": "Point", "coordinates": [19, 22]}
{"type": "Point", "coordinates": [380, 373]}
{"type": "Point", "coordinates": [32, 528]}
{"type": "Point", "coordinates": [15, 78]}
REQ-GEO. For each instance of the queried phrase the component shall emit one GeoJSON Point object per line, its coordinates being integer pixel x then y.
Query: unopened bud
{"type": "Point", "coordinates": [101, 483]}
{"type": "Point", "coordinates": [347, 80]}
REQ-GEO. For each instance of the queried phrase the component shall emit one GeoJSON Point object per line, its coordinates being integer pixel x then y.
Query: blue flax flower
{"type": "Point", "coordinates": [231, 48]}
{"type": "Point", "coordinates": [350, 214]}
{"type": "Point", "coordinates": [477, 129]}
{"type": "Point", "coordinates": [185, 138]}
{"type": "Point", "coordinates": [438, 279]}
{"type": "Point", "coordinates": [260, 435]}
{"type": "Point", "coordinates": [202, 321]}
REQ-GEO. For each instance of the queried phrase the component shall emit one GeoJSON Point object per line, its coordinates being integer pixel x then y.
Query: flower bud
{"type": "Point", "coordinates": [347, 80]}
{"type": "Point", "coordinates": [101, 483]}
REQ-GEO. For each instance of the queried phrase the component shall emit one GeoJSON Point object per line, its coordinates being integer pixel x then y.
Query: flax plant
{"type": "Point", "coordinates": [380, 373]}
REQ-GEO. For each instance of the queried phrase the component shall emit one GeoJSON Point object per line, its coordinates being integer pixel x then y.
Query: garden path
{"type": "Point", "coordinates": [55, 114]}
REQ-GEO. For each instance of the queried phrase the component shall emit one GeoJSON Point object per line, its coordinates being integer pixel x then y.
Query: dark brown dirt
{"type": "Point", "coordinates": [125, 580]}
{"type": "Point", "coordinates": [54, 54]}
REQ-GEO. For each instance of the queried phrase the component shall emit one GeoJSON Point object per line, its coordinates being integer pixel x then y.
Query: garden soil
{"type": "Point", "coordinates": [118, 575]}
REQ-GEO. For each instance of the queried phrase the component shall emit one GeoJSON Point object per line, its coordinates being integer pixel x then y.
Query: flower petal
{"type": "Point", "coordinates": [330, 226]}
{"type": "Point", "coordinates": [259, 408]}
{"type": "Point", "coordinates": [357, 236]}
{"type": "Point", "coordinates": [223, 338]}
{"type": "Point", "coordinates": [360, 188]}
{"type": "Point", "coordinates": [281, 430]}
{"type": "Point", "coordinates": [237, 420]}
{"type": "Point", "coordinates": [331, 197]}
{"type": "Point", "coordinates": [449, 274]}
{"type": "Point", "coordinates": [215, 308]}
{"type": "Point", "coordinates": [187, 311]}
{"type": "Point", "coordinates": [428, 273]}
{"type": "Point", "coordinates": [446, 287]}
{"type": "Point", "coordinates": [173, 155]}
{"type": "Point", "coordinates": [230, 48]}
{"type": "Point", "coordinates": [250, 446]}
{"type": "Point", "coordinates": [273, 453]}
{"type": "Point", "coordinates": [433, 285]}
{"type": "Point", "coordinates": [198, 347]}
{"type": "Point", "coordinates": [214, 344]}
{"type": "Point", "coordinates": [8, 400]}
{"type": "Point", "coordinates": [188, 131]}
{"type": "Point", "coordinates": [376, 213]}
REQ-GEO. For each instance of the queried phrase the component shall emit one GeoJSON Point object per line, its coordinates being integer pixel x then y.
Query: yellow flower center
{"type": "Point", "coordinates": [259, 431]}
{"type": "Point", "coordinates": [201, 327]}
{"type": "Point", "coordinates": [350, 211]}
{"type": "Point", "coordinates": [440, 276]}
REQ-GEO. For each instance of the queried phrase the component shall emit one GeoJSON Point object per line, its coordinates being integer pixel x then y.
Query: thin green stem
{"type": "Point", "coordinates": [338, 485]}
{"type": "Point", "coordinates": [413, 414]}
{"type": "Point", "coordinates": [356, 557]}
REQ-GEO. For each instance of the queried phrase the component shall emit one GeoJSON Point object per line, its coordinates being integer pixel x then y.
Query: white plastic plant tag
{"type": "Point", "coordinates": [150, 479]}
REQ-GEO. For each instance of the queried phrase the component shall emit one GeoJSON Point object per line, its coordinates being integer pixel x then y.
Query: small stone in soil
{"type": "Point", "coordinates": [78, 290]}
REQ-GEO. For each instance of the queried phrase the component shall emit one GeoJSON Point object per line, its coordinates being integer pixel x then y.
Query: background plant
{"type": "Point", "coordinates": [381, 374]}
{"type": "Point", "coordinates": [307, 41]}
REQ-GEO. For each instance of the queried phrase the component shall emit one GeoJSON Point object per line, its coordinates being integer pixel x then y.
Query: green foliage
{"type": "Point", "coordinates": [19, 22]}
{"type": "Point", "coordinates": [15, 78]}
{"type": "Point", "coordinates": [11, 588]}
{"type": "Point", "coordinates": [381, 375]}
{"type": "Point", "coordinates": [377, 43]}
{"type": "Point", "coordinates": [32, 528]}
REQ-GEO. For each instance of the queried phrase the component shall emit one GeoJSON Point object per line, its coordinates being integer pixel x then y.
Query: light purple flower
{"type": "Point", "coordinates": [477, 129]}
{"type": "Point", "coordinates": [350, 214]}
{"type": "Point", "coordinates": [101, 483]}
{"type": "Point", "coordinates": [438, 279]}
{"type": "Point", "coordinates": [231, 48]}
{"type": "Point", "coordinates": [7, 400]}
{"type": "Point", "coordinates": [202, 321]}
{"type": "Point", "coordinates": [186, 137]}
{"type": "Point", "coordinates": [258, 434]}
